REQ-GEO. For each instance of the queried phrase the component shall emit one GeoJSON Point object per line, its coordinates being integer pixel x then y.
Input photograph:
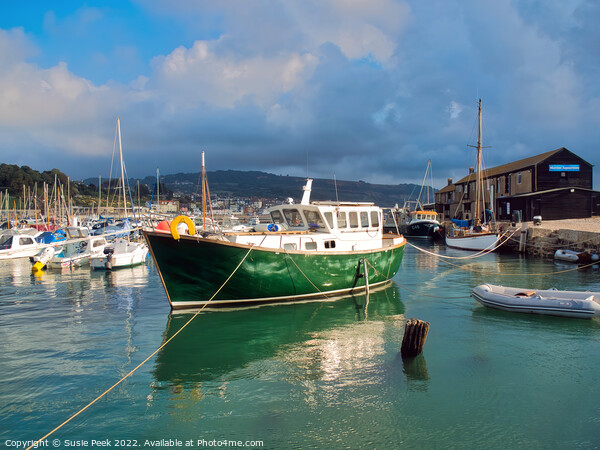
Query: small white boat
{"type": "Point", "coordinates": [472, 240]}
{"type": "Point", "coordinates": [121, 253]}
{"type": "Point", "coordinates": [577, 304]}
{"type": "Point", "coordinates": [18, 245]}
{"type": "Point", "coordinates": [77, 252]}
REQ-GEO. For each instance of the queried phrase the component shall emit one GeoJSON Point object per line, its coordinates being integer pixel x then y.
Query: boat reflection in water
{"type": "Point", "coordinates": [220, 342]}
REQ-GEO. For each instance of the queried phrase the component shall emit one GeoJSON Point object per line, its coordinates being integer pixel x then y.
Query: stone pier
{"type": "Point", "coordinates": [581, 235]}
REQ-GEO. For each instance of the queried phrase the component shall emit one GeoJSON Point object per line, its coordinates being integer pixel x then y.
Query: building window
{"type": "Point", "coordinates": [519, 178]}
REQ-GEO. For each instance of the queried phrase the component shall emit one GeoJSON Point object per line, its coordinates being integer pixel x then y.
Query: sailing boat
{"type": "Point", "coordinates": [420, 223]}
{"type": "Point", "coordinates": [122, 252]}
{"type": "Point", "coordinates": [478, 236]}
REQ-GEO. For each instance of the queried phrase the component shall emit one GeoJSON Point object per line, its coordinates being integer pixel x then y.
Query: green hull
{"type": "Point", "coordinates": [194, 269]}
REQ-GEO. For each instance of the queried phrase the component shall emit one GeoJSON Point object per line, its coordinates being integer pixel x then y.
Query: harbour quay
{"type": "Point", "coordinates": [542, 240]}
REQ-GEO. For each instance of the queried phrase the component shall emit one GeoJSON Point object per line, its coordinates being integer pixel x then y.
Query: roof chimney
{"type": "Point", "coordinates": [449, 181]}
{"type": "Point", "coordinates": [471, 170]}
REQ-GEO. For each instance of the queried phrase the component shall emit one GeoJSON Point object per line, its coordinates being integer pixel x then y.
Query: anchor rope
{"type": "Point", "coordinates": [502, 239]}
{"type": "Point", "coordinates": [37, 443]}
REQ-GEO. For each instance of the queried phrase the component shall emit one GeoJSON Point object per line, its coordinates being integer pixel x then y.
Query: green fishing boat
{"type": "Point", "coordinates": [309, 250]}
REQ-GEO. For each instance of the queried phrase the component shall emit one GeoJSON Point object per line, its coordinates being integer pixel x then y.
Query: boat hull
{"type": "Point", "coordinates": [195, 270]}
{"type": "Point", "coordinates": [421, 230]}
{"type": "Point", "coordinates": [575, 304]}
{"type": "Point", "coordinates": [476, 242]}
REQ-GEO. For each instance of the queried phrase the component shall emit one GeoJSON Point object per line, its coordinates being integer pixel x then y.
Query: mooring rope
{"type": "Point", "coordinates": [38, 442]}
{"type": "Point", "coordinates": [502, 239]}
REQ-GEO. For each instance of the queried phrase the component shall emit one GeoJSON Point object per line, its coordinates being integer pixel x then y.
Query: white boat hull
{"type": "Point", "coordinates": [65, 262]}
{"type": "Point", "coordinates": [125, 254]}
{"type": "Point", "coordinates": [576, 304]}
{"type": "Point", "coordinates": [475, 242]}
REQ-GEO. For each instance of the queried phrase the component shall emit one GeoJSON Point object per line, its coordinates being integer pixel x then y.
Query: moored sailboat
{"type": "Point", "coordinates": [122, 252]}
{"type": "Point", "coordinates": [476, 235]}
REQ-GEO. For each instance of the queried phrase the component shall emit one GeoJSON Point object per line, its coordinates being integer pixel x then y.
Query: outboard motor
{"type": "Point", "coordinates": [108, 251]}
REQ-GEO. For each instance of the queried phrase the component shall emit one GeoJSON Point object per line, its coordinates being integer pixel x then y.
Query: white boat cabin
{"type": "Point", "coordinates": [321, 226]}
{"type": "Point", "coordinates": [428, 216]}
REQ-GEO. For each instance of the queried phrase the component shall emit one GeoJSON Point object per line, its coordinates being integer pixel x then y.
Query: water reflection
{"type": "Point", "coordinates": [220, 342]}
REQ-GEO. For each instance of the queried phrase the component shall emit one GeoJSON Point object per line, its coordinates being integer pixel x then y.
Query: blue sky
{"type": "Point", "coordinates": [366, 90]}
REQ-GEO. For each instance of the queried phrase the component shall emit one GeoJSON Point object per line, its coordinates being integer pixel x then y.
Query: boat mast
{"type": "Point", "coordinates": [478, 181]}
{"type": "Point", "coordinates": [203, 194]}
{"type": "Point", "coordinates": [122, 172]}
{"type": "Point", "coordinates": [99, 194]}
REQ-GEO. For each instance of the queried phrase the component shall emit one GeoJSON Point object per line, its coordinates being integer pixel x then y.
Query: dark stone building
{"type": "Point", "coordinates": [555, 185]}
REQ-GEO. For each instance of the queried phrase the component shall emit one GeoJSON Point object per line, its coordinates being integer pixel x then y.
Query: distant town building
{"type": "Point", "coordinates": [554, 185]}
{"type": "Point", "coordinates": [166, 206]}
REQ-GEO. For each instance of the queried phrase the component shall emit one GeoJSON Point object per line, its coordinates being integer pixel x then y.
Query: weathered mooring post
{"type": "Point", "coordinates": [415, 334]}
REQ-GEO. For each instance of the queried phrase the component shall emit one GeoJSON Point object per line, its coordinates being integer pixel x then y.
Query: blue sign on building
{"type": "Point", "coordinates": [564, 167]}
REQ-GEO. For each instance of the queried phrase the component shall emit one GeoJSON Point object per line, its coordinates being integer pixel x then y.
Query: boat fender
{"type": "Point", "coordinates": [177, 221]}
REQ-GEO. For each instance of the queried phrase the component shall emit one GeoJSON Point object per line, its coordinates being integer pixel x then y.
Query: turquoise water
{"type": "Point", "coordinates": [309, 375]}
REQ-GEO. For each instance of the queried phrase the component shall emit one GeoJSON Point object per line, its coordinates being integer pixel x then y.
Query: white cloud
{"type": "Point", "coordinates": [187, 77]}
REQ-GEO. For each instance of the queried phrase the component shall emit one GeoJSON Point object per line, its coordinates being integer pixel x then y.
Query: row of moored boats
{"type": "Point", "coordinates": [74, 246]}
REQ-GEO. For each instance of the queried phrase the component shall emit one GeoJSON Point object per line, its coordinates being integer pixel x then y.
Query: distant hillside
{"type": "Point", "coordinates": [235, 183]}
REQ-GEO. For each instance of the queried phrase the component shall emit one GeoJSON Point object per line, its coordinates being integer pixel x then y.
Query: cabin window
{"type": "Point", "coordinates": [329, 244]}
{"type": "Point", "coordinates": [341, 219]}
{"type": "Point", "coordinates": [364, 219]}
{"type": "Point", "coordinates": [329, 218]}
{"type": "Point", "coordinates": [7, 243]}
{"type": "Point", "coordinates": [293, 218]}
{"type": "Point", "coordinates": [353, 216]}
{"type": "Point", "coordinates": [375, 219]}
{"type": "Point", "coordinates": [276, 217]}
{"type": "Point", "coordinates": [314, 219]}
{"type": "Point", "coordinates": [25, 241]}
{"type": "Point", "coordinates": [290, 246]}
{"type": "Point", "coordinates": [311, 246]}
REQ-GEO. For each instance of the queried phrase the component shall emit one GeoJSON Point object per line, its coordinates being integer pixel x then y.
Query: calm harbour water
{"type": "Point", "coordinates": [321, 374]}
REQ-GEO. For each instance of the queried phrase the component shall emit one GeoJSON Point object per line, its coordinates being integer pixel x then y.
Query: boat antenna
{"type": "Point", "coordinates": [336, 191]}
{"type": "Point", "coordinates": [307, 165]}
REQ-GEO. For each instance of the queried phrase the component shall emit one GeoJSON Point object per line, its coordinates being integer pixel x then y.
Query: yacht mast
{"type": "Point", "coordinates": [479, 179]}
{"type": "Point", "coordinates": [203, 194]}
{"type": "Point", "coordinates": [122, 172]}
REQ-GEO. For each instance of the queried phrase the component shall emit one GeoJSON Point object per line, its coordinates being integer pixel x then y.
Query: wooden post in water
{"type": "Point", "coordinates": [415, 334]}
{"type": "Point", "coordinates": [523, 240]}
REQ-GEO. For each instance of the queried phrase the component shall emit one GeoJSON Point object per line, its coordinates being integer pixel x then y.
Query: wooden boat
{"type": "Point", "coordinates": [583, 305]}
{"type": "Point", "coordinates": [310, 250]}
{"type": "Point", "coordinates": [478, 236]}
